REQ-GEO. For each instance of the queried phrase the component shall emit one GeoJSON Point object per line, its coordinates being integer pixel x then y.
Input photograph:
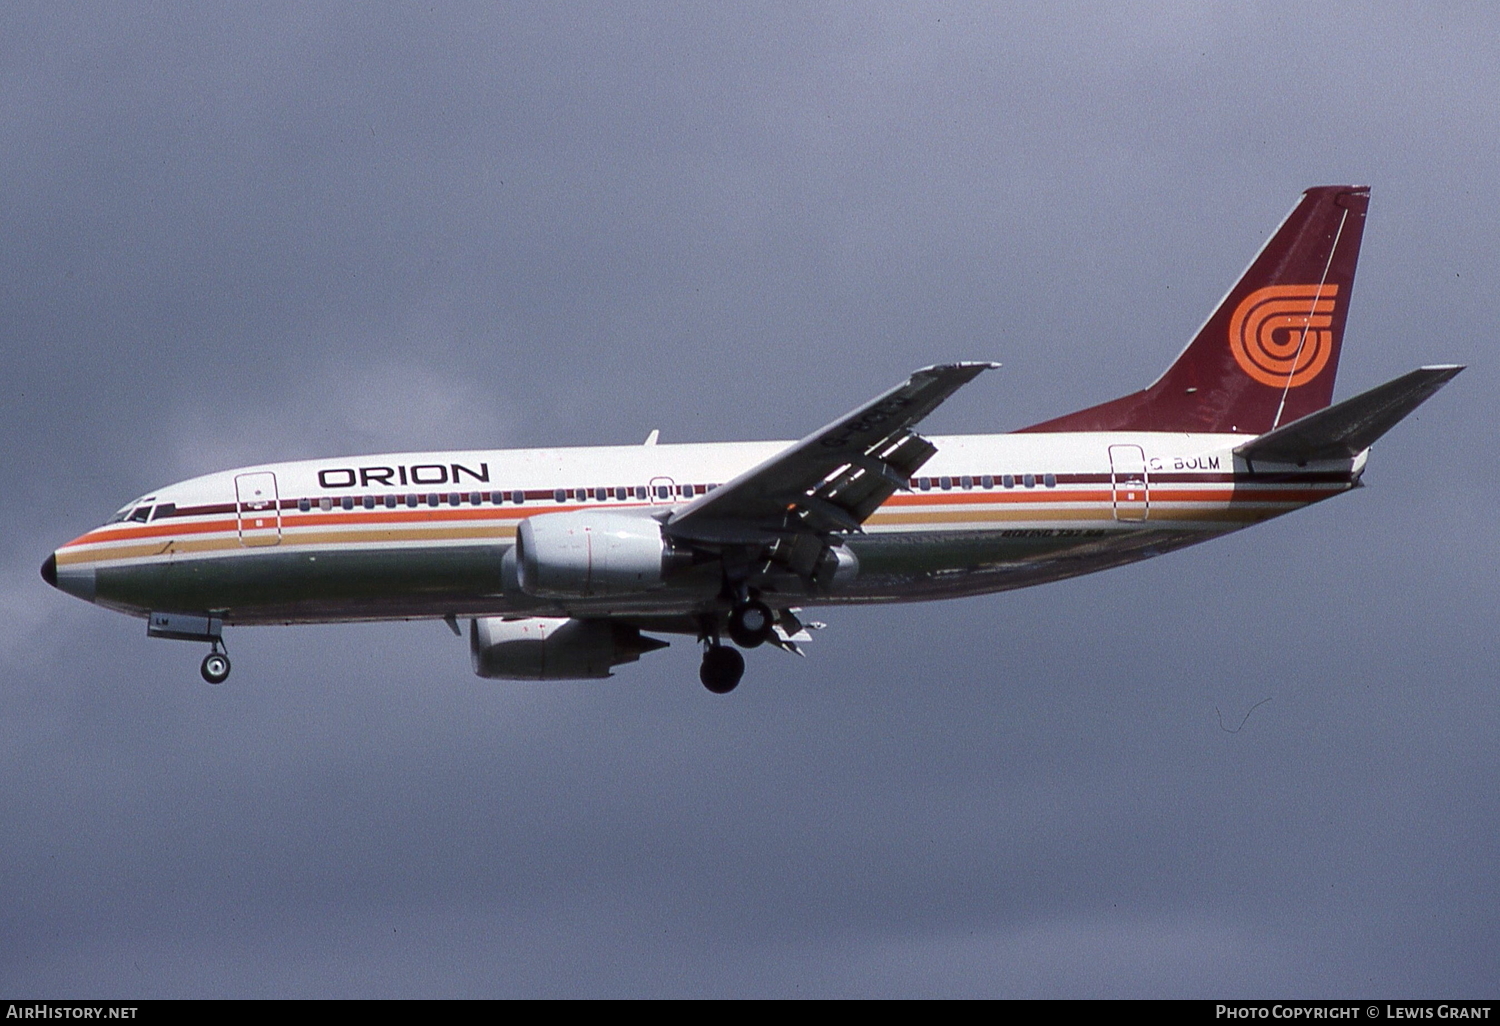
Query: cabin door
{"type": "Point", "coordinates": [1129, 483]}
{"type": "Point", "coordinates": [259, 509]}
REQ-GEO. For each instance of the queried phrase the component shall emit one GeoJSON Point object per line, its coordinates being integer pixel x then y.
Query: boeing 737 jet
{"type": "Point", "coordinates": [565, 562]}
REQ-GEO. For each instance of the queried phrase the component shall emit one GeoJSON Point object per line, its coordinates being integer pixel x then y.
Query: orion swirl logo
{"type": "Point", "coordinates": [1282, 335]}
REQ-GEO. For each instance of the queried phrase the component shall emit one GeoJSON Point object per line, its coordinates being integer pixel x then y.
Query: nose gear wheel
{"type": "Point", "coordinates": [215, 667]}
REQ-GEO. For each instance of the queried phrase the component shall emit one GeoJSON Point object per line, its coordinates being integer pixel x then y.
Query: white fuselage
{"type": "Point", "coordinates": [428, 534]}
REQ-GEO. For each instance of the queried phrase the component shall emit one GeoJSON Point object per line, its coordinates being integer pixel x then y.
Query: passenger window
{"type": "Point", "coordinates": [1008, 481]}
{"type": "Point", "coordinates": [622, 493]}
{"type": "Point", "coordinates": [561, 495]}
{"type": "Point", "coordinates": [924, 483]}
{"type": "Point", "coordinates": [304, 505]}
{"type": "Point", "coordinates": [640, 491]}
{"type": "Point", "coordinates": [988, 481]}
{"type": "Point", "coordinates": [454, 498]}
{"type": "Point", "coordinates": [325, 504]}
{"type": "Point", "coordinates": [347, 502]}
{"type": "Point", "coordinates": [369, 502]}
{"type": "Point", "coordinates": [518, 496]}
{"type": "Point", "coordinates": [1050, 480]}
{"type": "Point", "coordinates": [687, 491]}
{"type": "Point", "coordinates": [390, 502]}
{"type": "Point", "coordinates": [433, 499]}
{"type": "Point", "coordinates": [663, 492]}
{"type": "Point", "coordinates": [945, 483]}
{"type": "Point", "coordinates": [1029, 480]}
{"type": "Point", "coordinates": [966, 482]}
{"type": "Point", "coordinates": [475, 499]}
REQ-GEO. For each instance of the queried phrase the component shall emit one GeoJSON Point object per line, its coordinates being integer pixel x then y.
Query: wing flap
{"type": "Point", "coordinates": [1346, 429]}
{"type": "Point", "coordinates": [832, 480]}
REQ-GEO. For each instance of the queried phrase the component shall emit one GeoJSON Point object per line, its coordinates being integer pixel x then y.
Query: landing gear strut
{"type": "Point", "coordinates": [722, 669]}
{"type": "Point", "coordinates": [215, 668]}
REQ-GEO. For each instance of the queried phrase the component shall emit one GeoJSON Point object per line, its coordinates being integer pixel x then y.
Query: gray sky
{"type": "Point", "coordinates": [247, 233]}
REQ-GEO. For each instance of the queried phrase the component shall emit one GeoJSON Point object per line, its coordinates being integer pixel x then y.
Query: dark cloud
{"type": "Point", "coordinates": [237, 234]}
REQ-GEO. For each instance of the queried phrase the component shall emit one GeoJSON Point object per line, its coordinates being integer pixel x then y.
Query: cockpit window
{"type": "Point", "coordinates": [138, 510]}
{"type": "Point", "coordinates": [166, 509]}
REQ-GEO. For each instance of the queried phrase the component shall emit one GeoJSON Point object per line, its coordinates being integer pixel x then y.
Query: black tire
{"type": "Point", "coordinates": [750, 625]}
{"type": "Point", "coordinates": [722, 669]}
{"type": "Point", "coordinates": [215, 668]}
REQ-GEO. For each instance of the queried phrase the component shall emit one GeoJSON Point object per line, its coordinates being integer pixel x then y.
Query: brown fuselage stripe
{"type": "Point", "coordinates": [1158, 496]}
{"type": "Point", "coordinates": [228, 539]}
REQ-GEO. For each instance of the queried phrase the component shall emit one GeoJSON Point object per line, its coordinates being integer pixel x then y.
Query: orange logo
{"type": "Point", "coordinates": [1281, 335]}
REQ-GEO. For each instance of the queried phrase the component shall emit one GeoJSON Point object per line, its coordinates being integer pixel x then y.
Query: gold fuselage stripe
{"type": "Point", "coordinates": [1232, 507]}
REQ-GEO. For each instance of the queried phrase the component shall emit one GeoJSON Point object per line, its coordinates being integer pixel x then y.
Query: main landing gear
{"type": "Point", "coordinates": [722, 668]}
{"type": "Point", "coordinates": [751, 624]}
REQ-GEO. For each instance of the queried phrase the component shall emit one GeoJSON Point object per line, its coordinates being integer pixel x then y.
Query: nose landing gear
{"type": "Point", "coordinates": [188, 627]}
{"type": "Point", "coordinates": [215, 668]}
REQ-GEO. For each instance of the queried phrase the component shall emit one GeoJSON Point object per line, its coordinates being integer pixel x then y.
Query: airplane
{"type": "Point", "coordinates": [565, 562]}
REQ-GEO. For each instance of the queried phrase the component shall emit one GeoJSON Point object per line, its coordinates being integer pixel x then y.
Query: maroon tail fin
{"type": "Point", "coordinates": [1269, 353]}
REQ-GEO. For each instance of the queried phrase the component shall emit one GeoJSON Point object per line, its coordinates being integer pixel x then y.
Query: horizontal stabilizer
{"type": "Point", "coordinates": [1346, 429]}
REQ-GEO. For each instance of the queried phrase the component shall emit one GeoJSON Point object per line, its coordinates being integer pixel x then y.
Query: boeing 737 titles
{"type": "Point", "coordinates": [565, 562]}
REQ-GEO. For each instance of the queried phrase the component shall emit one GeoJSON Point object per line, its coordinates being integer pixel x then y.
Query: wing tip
{"type": "Point", "coordinates": [976, 366]}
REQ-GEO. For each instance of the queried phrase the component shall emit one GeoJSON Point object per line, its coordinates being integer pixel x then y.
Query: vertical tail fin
{"type": "Point", "coordinates": [1269, 353]}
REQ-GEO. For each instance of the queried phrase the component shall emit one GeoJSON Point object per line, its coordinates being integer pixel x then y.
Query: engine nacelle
{"type": "Point", "coordinates": [588, 554]}
{"type": "Point", "coordinates": [552, 648]}
{"type": "Point", "coordinates": [837, 568]}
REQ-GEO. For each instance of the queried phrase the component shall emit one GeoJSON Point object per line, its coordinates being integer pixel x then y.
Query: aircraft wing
{"type": "Point", "coordinates": [832, 480]}
{"type": "Point", "coordinates": [1346, 429]}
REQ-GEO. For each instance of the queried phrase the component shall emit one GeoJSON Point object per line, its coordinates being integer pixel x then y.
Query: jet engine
{"type": "Point", "coordinates": [552, 648]}
{"type": "Point", "coordinates": [588, 554]}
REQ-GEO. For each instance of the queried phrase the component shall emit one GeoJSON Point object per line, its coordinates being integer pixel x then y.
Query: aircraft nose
{"type": "Point", "coordinates": [77, 580]}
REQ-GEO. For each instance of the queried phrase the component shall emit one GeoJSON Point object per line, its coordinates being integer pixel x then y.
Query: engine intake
{"type": "Point", "coordinates": [587, 554]}
{"type": "Point", "coordinates": [552, 648]}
